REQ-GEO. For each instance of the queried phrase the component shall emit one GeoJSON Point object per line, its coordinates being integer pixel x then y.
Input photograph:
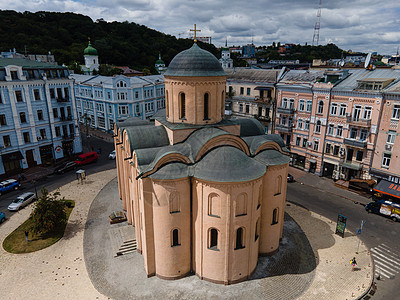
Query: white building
{"type": "Point", "coordinates": [104, 100]}
{"type": "Point", "coordinates": [226, 61]}
{"type": "Point", "coordinates": [91, 60]}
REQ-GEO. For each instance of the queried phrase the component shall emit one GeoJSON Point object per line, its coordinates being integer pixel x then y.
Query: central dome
{"type": "Point", "coordinates": [195, 62]}
{"type": "Point", "coordinates": [89, 50]}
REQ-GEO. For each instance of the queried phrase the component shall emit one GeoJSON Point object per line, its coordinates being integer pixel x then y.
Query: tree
{"type": "Point", "coordinates": [49, 213]}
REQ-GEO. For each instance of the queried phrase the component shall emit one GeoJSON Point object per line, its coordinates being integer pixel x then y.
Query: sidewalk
{"type": "Point", "coordinates": [312, 262]}
{"type": "Point", "coordinates": [326, 185]}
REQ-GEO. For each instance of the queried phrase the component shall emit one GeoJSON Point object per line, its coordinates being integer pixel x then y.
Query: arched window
{"type": "Point", "coordinates": [206, 106]}
{"type": "Point", "coordinates": [213, 239]}
{"type": "Point", "coordinates": [175, 238]}
{"type": "Point", "coordinates": [259, 197]}
{"type": "Point", "coordinates": [239, 238]}
{"type": "Point", "coordinates": [223, 104]}
{"type": "Point", "coordinates": [278, 185]}
{"type": "Point", "coordinates": [214, 205]}
{"type": "Point", "coordinates": [240, 205]}
{"type": "Point", "coordinates": [182, 113]}
{"type": "Point", "coordinates": [166, 105]}
{"type": "Point", "coordinates": [320, 107]}
{"type": "Point", "coordinates": [174, 203]}
{"type": "Point", "coordinates": [318, 126]}
{"type": "Point", "coordinates": [275, 216]}
{"type": "Point", "coordinates": [257, 230]}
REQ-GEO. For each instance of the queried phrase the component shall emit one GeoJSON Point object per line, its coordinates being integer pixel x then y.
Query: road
{"type": "Point", "coordinates": [380, 234]}
{"type": "Point", "coordinates": [52, 182]}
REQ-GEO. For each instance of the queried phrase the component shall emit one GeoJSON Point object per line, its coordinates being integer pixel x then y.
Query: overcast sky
{"type": "Point", "coordinates": [360, 25]}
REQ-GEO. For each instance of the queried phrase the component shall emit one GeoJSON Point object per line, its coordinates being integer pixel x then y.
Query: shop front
{"type": "Point", "coordinates": [46, 155]}
{"type": "Point", "coordinates": [12, 162]}
{"type": "Point", "coordinates": [298, 161]}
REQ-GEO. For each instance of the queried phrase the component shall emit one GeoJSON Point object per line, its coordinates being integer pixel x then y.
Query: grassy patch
{"type": "Point", "coordinates": [16, 242]}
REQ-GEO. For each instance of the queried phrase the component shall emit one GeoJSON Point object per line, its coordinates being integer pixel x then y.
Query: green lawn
{"type": "Point", "coordinates": [16, 242]}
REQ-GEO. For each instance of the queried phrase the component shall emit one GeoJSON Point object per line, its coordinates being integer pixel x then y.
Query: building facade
{"type": "Point", "coordinates": [251, 94]}
{"type": "Point", "coordinates": [102, 101]}
{"type": "Point", "coordinates": [226, 61]}
{"type": "Point", "coordinates": [331, 118]}
{"type": "Point", "coordinates": [205, 194]}
{"type": "Point", "coordinates": [38, 121]}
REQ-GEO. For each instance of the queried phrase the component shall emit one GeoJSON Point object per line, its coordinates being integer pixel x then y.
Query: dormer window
{"type": "Point", "coordinates": [14, 75]}
{"type": "Point", "coordinates": [374, 84]}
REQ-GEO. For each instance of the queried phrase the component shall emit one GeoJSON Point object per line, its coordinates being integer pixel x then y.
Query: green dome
{"type": "Point", "coordinates": [90, 50]}
{"type": "Point", "coordinates": [160, 62]}
{"type": "Point", "coordinates": [195, 62]}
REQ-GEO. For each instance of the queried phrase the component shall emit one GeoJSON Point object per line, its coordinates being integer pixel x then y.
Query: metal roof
{"type": "Point", "coordinates": [302, 76]}
{"type": "Point", "coordinates": [252, 75]}
{"type": "Point", "coordinates": [27, 63]}
{"type": "Point", "coordinates": [195, 62]}
{"type": "Point", "coordinates": [351, 82]}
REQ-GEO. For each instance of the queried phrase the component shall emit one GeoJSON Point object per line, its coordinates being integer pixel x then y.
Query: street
{"type": "Point", "coordinates": [380, 234]}
{"type": "Point", "coordinates": [52, 182]}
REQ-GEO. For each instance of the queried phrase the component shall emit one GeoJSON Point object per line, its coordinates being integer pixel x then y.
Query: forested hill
{"type": "Point", "coordinates": [66, 36]}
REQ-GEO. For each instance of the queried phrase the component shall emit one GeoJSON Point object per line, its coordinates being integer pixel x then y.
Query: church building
{"type": "Point", "coordinates": [206, 195]}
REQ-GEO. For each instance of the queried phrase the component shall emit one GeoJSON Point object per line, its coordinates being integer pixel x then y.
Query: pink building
{"type": "Point", "coordinates": [386, 163]}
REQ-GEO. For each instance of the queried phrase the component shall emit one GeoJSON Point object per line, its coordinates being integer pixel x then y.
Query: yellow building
{"type": "Point", "coordinates": [206, 195]}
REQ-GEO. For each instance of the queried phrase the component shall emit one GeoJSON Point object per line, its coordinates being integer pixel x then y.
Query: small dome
{"type": "Point", "coordinates": [160, 62]}
{"type": "Point", "coordinates": [195, 62]}
{"type": "Point", "coordinates": [90, 50]}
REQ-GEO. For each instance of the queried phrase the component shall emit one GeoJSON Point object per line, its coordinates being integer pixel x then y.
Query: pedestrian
{"type": "Point", "coordinates": [353, 263]}
{"type": "Point", "coordinates": [27, 235]}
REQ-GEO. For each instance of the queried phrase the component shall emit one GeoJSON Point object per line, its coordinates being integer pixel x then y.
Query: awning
{"type": "Point", "coordinates": [388, 188]}
{"type": "Point", "coordinates": [351, 166]}
{"type": "Point", "coordinates": [262, 88]}
{"type": "Point", "coordinates": [312, 160]}
{"type": "Point", "coordinates": [12, 156]}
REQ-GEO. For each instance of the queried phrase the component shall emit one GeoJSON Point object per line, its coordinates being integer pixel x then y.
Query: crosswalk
{"type": "Point", "coordinates": [387, 261]}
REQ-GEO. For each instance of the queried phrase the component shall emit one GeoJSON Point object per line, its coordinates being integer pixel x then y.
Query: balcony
{"type": "Point", "coordinates": [62, 99]}
{"type": "Point", "coordinates": [358, 122]}
{"type": "Point", "coordinates": [286, 111]}
{"type": "Point", "coordinates": [284, 128]}
{"type": "Point", "coordinates": [355, 143]}
{"type": "Point", "coordinates": [259, 99]}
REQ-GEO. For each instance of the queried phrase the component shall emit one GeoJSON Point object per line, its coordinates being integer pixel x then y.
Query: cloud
{"type": "Point", "coordinates": [359, 25]}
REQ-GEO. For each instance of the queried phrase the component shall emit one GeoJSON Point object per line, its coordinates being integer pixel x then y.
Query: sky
{"type": "Point", "coordinates": [359, 25]}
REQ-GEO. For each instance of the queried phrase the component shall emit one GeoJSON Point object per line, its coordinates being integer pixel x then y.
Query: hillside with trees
{"type": "Point", "coordinates": [66, 36]}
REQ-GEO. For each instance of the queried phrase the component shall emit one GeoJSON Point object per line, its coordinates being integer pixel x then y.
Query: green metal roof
{"type": "Point", "coordinates": [172, 171]}
{"type": "Point", "coordinates": [89, 50]}
{"type": "Point", "coordinates": [250, 127]}
{"type": "Point", "coordinates": [132, 121]}
{"type": "Point", "coordinates": [254, 142]}
{"type": "Point", "coordinates": [272, 158]}
{"type": "Point", "coordinates": [150, 136]}
{"type": "Point", "coordinates": [27, 63]}
{"type": "Point", "coordinates": [228, 164]}
{"type": "Point", "coordinates": [195, 62]}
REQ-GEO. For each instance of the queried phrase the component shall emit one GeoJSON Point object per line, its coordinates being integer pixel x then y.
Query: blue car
{"type": "Point", "coordinates": [2, 217]}
{"type": "Point", "coordinates": [9, 185]}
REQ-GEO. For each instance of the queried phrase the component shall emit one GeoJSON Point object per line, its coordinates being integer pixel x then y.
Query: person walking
{"type": "Point", "coordinates": [27, 236]}
{"type": "Point", "coordinates": [353, 263]}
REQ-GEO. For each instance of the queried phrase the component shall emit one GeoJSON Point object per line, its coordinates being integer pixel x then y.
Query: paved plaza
{"type": "Point", "coordinates": [312, 262]}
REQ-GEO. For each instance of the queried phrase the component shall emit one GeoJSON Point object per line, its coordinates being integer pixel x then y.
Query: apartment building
{"type": "Point", "coordinates": [386, 162]}
{"type": "Point", "coordinates": [251, 94]}
{"type": "Point", "coordinates": [330, 119]}
{"type": "Point", "coordinates": [38, 122]}
{"type": "Point", "coordinates": [101, 100]}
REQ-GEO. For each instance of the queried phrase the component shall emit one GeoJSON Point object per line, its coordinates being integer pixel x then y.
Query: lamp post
{"type": "Point", "coordinates": [34, 186]}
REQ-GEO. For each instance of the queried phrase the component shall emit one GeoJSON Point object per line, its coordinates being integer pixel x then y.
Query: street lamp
{"type": "Point", "coordinates": [34, 186]}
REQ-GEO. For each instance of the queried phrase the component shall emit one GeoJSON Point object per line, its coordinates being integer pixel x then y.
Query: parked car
{"type": "Point", "coordinates": [290, 178]}
{"type": "Point", "coordinates": [111, 155]}
{"type": "Point", "coordinates": [86, 158]}
{"type": "Point", "coordinates": [8, 185]}
{"type": "Point", "coordinates": [2, 217]}
{"type": "Point", "coordinates": [68, 166]}
{"type": "Point", "coordinates": [386, 208]}
{"type": "Point", "coordinates": [21, 201]}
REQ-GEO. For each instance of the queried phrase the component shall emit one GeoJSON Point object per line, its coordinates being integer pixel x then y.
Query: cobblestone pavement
{"type": "Point", "coordinates": [312, 263]}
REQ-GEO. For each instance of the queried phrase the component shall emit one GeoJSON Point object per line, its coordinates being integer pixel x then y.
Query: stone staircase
{"type": "Point", "coordinates": [127, 247]}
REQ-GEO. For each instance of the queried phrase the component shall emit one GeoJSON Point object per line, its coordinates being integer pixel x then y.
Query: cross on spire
{"type": "Point", "coordinates": [195, 40]}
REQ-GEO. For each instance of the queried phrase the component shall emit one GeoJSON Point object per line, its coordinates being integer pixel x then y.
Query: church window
{"type": "Point", "coordinates": [174, 203]}
{"type": "Point", "coordinates": [213, 239]}
{"type": "Point", "coordinates": [240, 205]}
{"type": "Point", "coordinates": [175, 238]}
{"type": "Point", "coordinates": [278, 185]}
{"type": "Point", "coordinates": [214, 205]}
{"type": "Point", "coordinates": [182, 113]}
{"type": "Point", "coordinates": [206, 106]}
{"type": "Point", "coordinates": [275, 215]}
{"type": "Point", "coordinates": [166, 105]}
{"type": "Point", "coordinates": [259, 197]}
{"type": "Point", "coordinates": [223, 104]}
{"type": "Point", "coordinates": [239, 238]}
{"type": "Point", "coordinates": [257, 230]}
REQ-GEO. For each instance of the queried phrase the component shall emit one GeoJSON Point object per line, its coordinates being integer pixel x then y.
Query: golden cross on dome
{"type": "Point", "coordinates": [195, 40]}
